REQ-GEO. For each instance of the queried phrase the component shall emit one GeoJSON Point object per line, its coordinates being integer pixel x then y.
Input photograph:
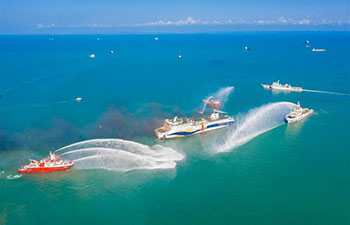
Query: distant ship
{"type": "Point", "coordinates": [246, 48]}
{"type": "Point", "coordinates": [49, 164]}
{"type": "Point", "coordinates": [183, 127]}
{"type": "Point", "coordinates": [214, 103]}
{"type": "Point", "coordinates": [318, 50]}
{"type": "Point", "coordinates": [297, 114]}
{"type": "Point", "coordinates": [278, 86]}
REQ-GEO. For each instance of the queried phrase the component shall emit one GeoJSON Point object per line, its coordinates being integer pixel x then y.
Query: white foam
{"type": "Point", "coordinates": [11, 177]}
{"type": "Point", "coordinates": [121, 155]}
{"type": "Point", "coordinates": [254, 123]}
{"type": "Point", "coordinates": [326, 92]}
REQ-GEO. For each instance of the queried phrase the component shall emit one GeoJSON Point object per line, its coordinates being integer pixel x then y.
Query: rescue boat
{"type": "Point", "coordinates": [298, 113]}
{"type": "Point", "coordinates": [51, 163]}
{"type": "Point", "coordinates": [214, 103]}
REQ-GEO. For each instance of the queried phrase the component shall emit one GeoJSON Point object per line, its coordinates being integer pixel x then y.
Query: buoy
{"type": "Point", "coordinates": [180, 56]}
{"type": "Point", "coordinates": [156, 38]}
{"type": "Point", "coordinates": [202, 129]}
{"type": "Point", "coordinates": [112, 52]}
{"type": "Point", "coordinates": [100, 127]}
{"type": "Point", "coordinates": [98, 38]}
{"type": "Point", "coordinates": [92, 56]}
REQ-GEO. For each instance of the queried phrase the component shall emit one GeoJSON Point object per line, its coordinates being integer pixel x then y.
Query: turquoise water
{"type": "Point", "coordinates": [260, 171]}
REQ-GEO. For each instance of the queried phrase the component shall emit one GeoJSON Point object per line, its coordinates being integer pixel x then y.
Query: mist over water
{"type": "Point", "coordinates": [119, 155]}
{"type": "Point", "coordinates": [257, 121]}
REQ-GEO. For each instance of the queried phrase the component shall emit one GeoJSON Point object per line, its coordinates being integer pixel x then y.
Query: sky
{"type": "Point", "coordinates": [141, 16]}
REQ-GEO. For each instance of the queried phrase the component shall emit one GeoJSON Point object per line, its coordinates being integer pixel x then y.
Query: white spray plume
{"type": "Point", "coordinates": [255, 122]}
{"type": "Point", "coordinates": [120, 155]}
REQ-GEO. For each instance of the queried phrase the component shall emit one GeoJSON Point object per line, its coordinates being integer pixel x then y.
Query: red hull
{"type": "Point", "coordinates": [215, 106]}
{"type": "Point", "coordinates": [44, 169]}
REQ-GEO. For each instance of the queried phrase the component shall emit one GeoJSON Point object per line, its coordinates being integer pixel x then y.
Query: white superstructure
{"type": "Point", "coordinates": [278, 86]}
{"type": "Point", "coordinates": [182, 127]}
{"type": "Point", "coordinates": [297, 114]}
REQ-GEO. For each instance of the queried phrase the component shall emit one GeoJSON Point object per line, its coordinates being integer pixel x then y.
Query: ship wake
{"type": "Point", "coordinates": [119, 155]}
{"type": "Point", "coordinates": [257, 121]}
{"type": "Point", "coordinates": [326, 92]}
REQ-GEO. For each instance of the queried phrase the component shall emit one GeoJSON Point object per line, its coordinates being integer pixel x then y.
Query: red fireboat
{"type": "Point", "coordinates": [50, 164]}
{"type": "Point", "coordinates": [214, 103]}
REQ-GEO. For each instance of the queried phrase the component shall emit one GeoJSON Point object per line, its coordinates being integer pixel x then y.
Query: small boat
{"type": "Point", "coordinates": [183, 127]}
{"type": "Point", "coordinates": [98, 38]}
{"type": "Point", "coordinates": [50, 164]}
{"type": "Point", "coordinates": [156, 38]}
{"type": "Point", "coordinates": [306, 42]}
{"type": "Point", "coordinates": [78, 99]}
{"type": "Point", "coordinates": [298, 113]}
{"type": "Point", "coordinates": [92, 56]}
{"type": "Point", "coordinates": [318, 50]}
{"type": "Point", "coordinates": [246, 48]}
{"type": "Point", "coordinates": [180, 56]}
{"type": "Point", "coordinates": [214, 103]}
{"type": "Point", "coordinates": [112, 52]}
{"type": "Point", "coordinates": [278, 86]}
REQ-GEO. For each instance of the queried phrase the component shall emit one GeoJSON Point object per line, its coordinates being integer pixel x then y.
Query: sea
{"type": "Point", "coordinates": [260, 170]}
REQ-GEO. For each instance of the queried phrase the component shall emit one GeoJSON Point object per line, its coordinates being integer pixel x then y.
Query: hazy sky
{"type": "Point", "coordinates": [71, 16]}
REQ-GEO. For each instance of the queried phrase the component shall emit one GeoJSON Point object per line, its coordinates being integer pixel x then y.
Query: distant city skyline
{"type": "Point", "coordinates": [135, 16]}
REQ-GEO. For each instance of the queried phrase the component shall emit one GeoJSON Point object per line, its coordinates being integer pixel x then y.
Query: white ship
{"type": "Point", "coordinates": [318, 50]}
{"type": "Point", "coordinates": [183, 127]}
{"type": "Point", "coordinates": [278, 86]}
{"type": "Point", "coordinates": [297, 114]}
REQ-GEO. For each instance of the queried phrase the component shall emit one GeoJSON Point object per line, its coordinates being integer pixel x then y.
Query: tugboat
{"type": "Point", "coordinates": [183, 127]}
{"type": "Point", "coordinates": [214, 103]}
{"type": "Point", "coordinates": [278, 86]}
{"type": "Point", "coordinates": [298, 113]}
{"type": "Point", "coordinates": [50, 164]}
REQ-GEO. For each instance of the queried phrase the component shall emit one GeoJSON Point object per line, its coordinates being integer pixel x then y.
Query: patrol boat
{"type": "Point", "coordinates": [183, 127]}
{"type": "Point", "coordinates": [277, 86]}
{"type": "Point", "coordinates": [298, 113]}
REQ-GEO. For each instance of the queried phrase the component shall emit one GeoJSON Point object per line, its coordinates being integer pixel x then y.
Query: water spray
{"type": "Point", "coordinates": [120, 155]}
{"type": "Point", "coordinates": [257, 121]}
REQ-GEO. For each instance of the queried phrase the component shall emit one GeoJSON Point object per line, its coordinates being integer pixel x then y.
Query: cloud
{"type": "Point", "coordinates": [278, 21]}
{"type": "Point", "coordinates": [93, 25]}
{"type": "Point", "coordinates": [188, 21]}
{"type": "Point", "coordinates": [90, 25]}
{"type": "Point", "coordinates": [43, 26]}
{"type": "Point", "coordinates": [191, 21]}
